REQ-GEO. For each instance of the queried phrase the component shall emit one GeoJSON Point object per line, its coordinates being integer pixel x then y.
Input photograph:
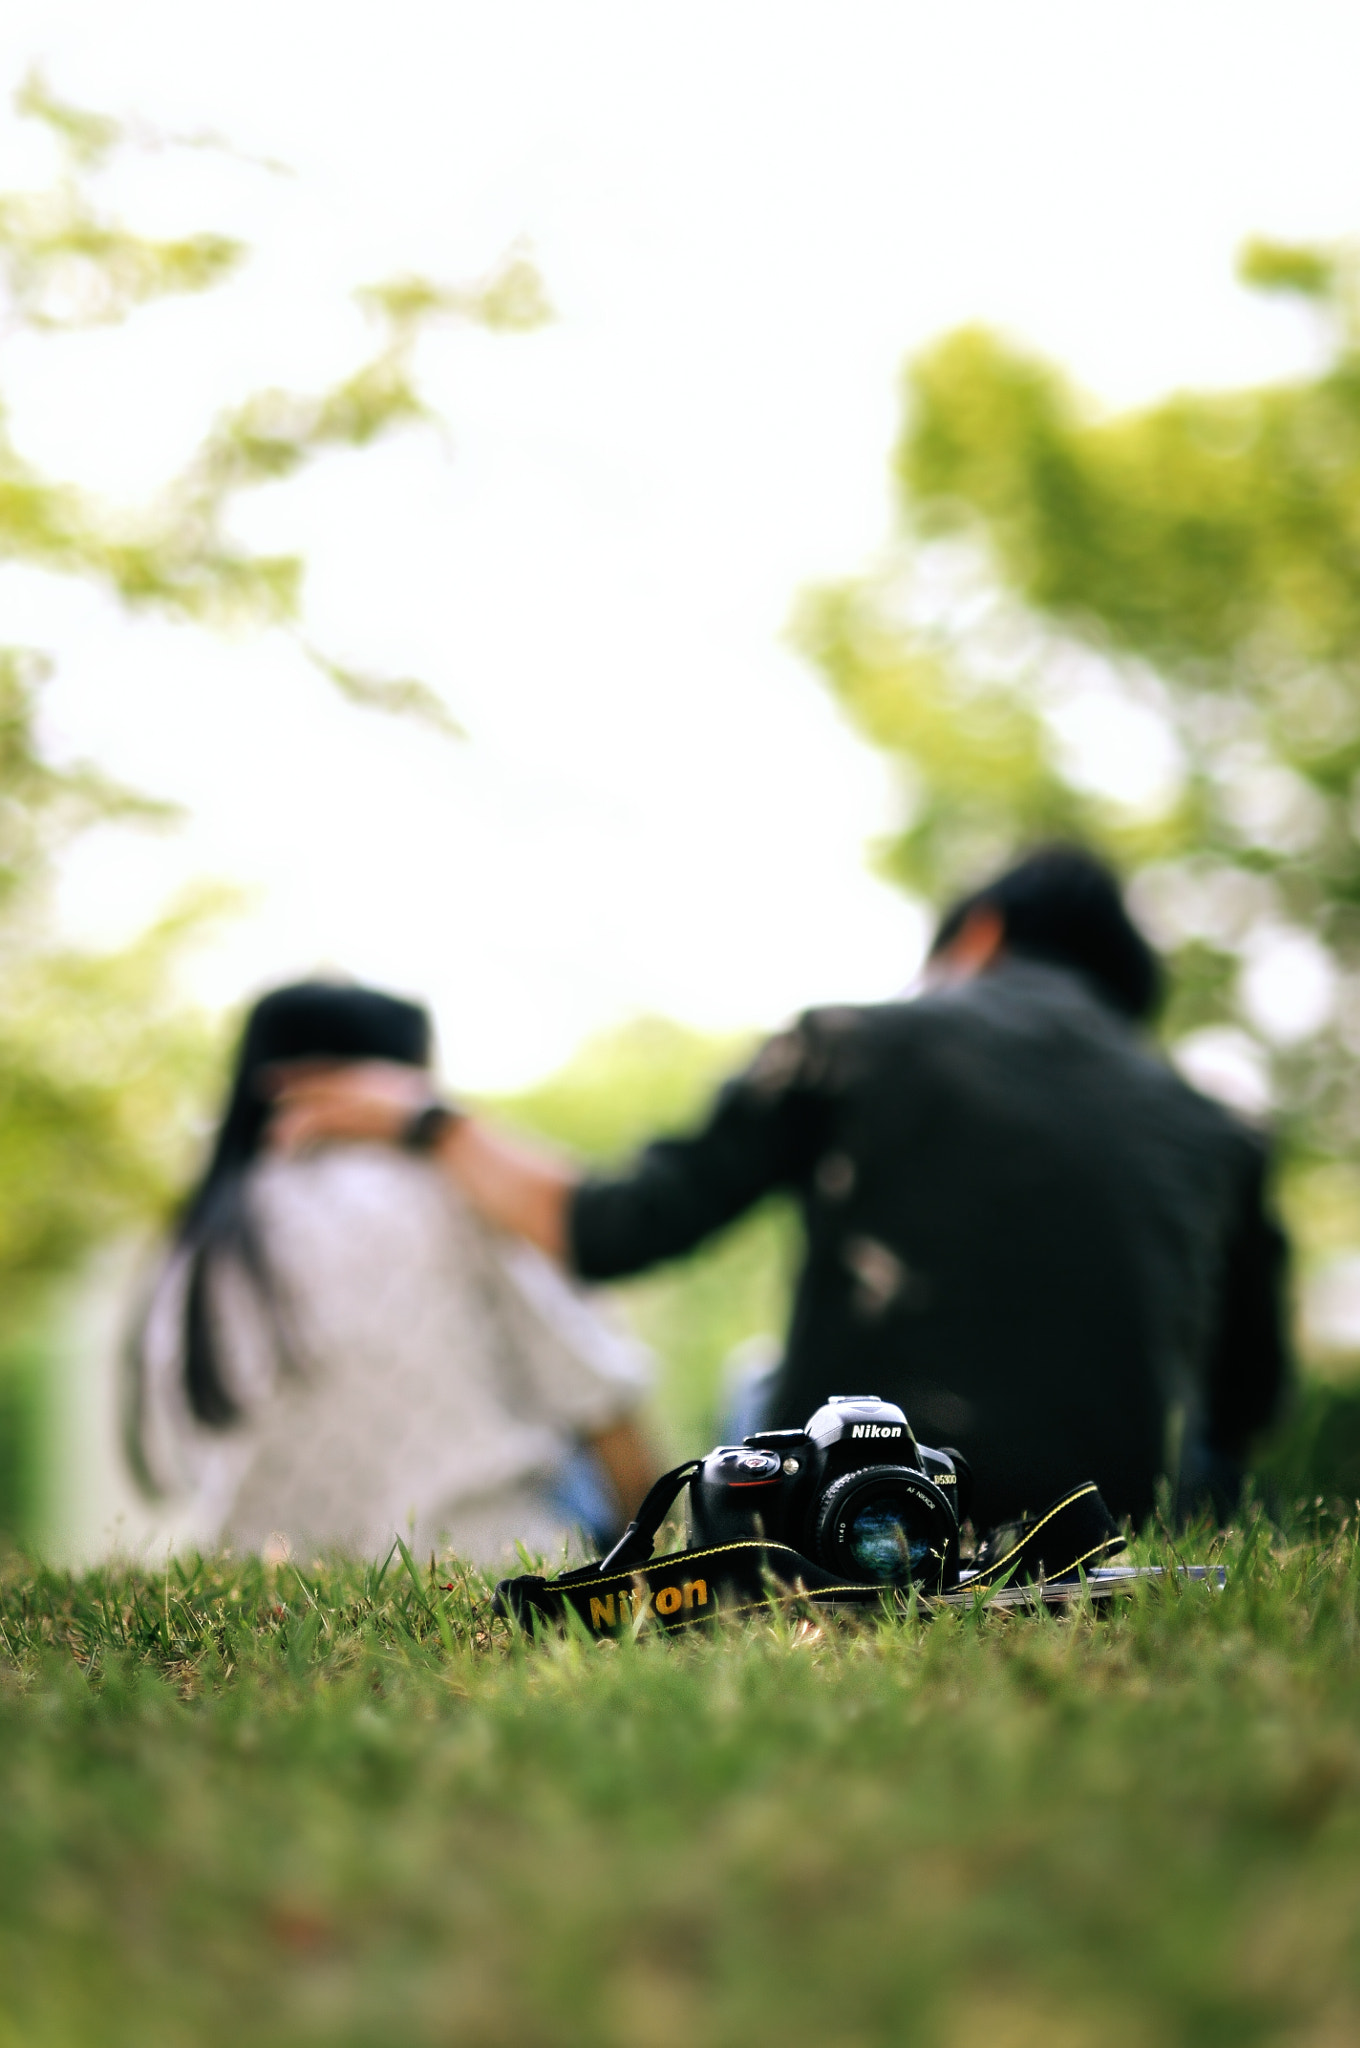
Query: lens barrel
{"type": "Point", "coordinates": [888, 1524]}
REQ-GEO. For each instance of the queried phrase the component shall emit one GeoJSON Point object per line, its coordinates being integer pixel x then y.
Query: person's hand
{"type": "Point", "coordinates": [516, 1186]}
{"type": "Point", "coordinates": [316, 1100]}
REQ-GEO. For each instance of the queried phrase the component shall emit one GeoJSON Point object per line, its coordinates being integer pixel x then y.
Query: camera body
{"type": "Point", "coordinates": [853, 1491]}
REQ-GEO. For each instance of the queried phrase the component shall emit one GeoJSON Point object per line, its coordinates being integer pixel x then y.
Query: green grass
{"type": "Point", "coordinates": [241, 1804]}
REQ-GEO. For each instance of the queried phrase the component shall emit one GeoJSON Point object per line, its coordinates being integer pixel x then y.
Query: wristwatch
{"type": "Point", "coordinates": [423, 1131]}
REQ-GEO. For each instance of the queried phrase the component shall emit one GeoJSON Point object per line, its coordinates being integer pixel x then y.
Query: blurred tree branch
{"type": "Point", "coordinates": [65, 264]}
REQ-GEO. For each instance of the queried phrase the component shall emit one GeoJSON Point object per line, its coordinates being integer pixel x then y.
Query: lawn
{"type": "Point", "coordinates": [247, 1804]}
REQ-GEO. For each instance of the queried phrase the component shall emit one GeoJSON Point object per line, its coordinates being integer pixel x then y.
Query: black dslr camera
{"type": "Point", "coordinates": [853, 1491]}
{"type": "Point", "coordinates": [831, 1513]}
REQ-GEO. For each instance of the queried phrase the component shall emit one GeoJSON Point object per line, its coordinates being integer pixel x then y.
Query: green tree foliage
{"type": "Point", "coordinates": [64, 264]}
{"type": "Point", "coordinates": [98, 1062]}
{"type": "Point", "coordinates": [1195, 561]}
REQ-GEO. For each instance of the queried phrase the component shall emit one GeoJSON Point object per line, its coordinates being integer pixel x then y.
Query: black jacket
{"type": "Point", "coordinates": [1021, 1225]}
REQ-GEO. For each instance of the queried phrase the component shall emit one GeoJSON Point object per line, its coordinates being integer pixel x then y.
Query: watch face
{"type": "Point", "coordinates": [428, 1126]}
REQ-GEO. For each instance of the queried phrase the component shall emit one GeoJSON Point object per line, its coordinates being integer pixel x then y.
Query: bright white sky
{"type": "Point", "coordinates": [747, 215]}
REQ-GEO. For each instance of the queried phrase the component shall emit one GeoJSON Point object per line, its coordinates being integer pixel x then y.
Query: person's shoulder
{"type": "Point", "coordinates": [1247, 1137]}
{"type": "Point", "coordinates": [863, 1029]}
{"type": "Point", "coordinates": [358, 1223]}
{"type": "Point", "coordinates": [836, 1024]}
{"type": "Point", "coordinates": [1146, 1074]}
{"type": "Point", "coordinates": [342, 1181]}
{"type": "Point", "coordinates": [826, 1046]}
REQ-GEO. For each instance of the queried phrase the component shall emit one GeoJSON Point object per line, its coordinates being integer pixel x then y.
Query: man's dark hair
{"type": "Point", "coordinates": [1062, 905]}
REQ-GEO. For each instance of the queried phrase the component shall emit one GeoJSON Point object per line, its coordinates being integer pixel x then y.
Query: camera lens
{"type": "Point", "coordinates": [883, 1545]}
{"type": "Point", "coordinates": [886, 1524]}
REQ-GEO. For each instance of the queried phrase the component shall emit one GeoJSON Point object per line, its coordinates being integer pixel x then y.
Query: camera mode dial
{"type": "Point", "coordinates": [735, 1465]}
{"type": "Point", "coordinates": [737, 1496]}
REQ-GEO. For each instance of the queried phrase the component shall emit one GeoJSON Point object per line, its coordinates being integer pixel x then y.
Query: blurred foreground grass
{"type": "Point", "coordinates": [246, 1804]}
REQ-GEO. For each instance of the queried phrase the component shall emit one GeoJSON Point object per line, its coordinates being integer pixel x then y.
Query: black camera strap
{"type": "Point", "coordinates": [613, 1595]}
{"type": "Point", "coordinates": [638, 1540]}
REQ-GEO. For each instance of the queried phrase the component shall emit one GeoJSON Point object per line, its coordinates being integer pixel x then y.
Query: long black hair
{"type": "Point", "coordinates": [306, 1020]}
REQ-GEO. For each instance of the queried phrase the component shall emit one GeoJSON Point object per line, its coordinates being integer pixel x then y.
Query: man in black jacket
{"type": "Point", "coordinates": [1020, 1223]}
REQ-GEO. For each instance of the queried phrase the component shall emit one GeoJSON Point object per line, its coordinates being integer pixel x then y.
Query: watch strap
{"type": "Point", "coordinates": [423, 1131]}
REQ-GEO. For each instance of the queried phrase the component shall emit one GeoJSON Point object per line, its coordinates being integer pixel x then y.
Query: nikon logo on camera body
{"type": "Point", "coordinates": [876, 1429]}
{"type": "Point", "coordinates": [666, 1601]}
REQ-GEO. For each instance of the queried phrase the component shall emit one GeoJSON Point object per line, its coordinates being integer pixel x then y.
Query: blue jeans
{"type": "Point", "coordinates": [583, 1496]}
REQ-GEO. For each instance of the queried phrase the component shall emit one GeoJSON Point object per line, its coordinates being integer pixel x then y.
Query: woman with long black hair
{"type": "Point", "coordinates": [337, 1350]}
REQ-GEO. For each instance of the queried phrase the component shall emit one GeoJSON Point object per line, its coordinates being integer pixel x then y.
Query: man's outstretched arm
{"type": "Point", "coordinates": [763, 1132]}
{"type": "Point", "coordinates": [517, 1186]}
